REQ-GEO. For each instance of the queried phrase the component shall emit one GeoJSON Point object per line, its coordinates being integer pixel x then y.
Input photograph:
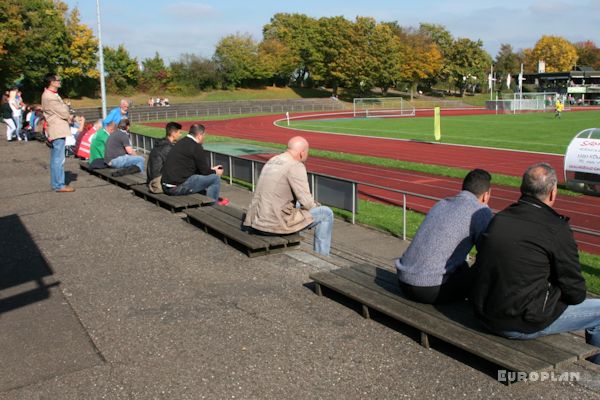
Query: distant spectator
{"type": "Point", "coordinates": [166, 102]}
{"type": "Point", "coordinates": [7, 116]}
{"type": "Point", "coordinates": [118, 113]}
{"type": "Point", "coordinates": [150, 102]}
{"type": "Point", "coordinates": [119, 151]}
{"type": "Point", "coordinates": [187, 168]}
{"type": "Point", "coordinates": [15, 106]}
{"type": "Point", "coordinates": [84, 141]}
{"type": "Point", "coordinates": [158, 155]}
{"type": "Point", "coordinates": [98, 146]}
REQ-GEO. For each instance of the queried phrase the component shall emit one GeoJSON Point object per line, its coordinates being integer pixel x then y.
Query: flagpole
{"type": "Point", "coordinates": [101, 62]}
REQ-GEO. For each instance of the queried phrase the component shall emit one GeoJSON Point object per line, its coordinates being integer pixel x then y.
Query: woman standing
{"type": "Point", "coordinates": [6, 111]}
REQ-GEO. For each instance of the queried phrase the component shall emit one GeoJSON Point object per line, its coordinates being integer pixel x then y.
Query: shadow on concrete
{"type": "Point", "coordinates": [23, 267]}
{"type": "Point", "coordinates": [70, 177]}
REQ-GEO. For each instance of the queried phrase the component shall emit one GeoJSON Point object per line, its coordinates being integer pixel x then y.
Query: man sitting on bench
{"type": "Point", "coordinates": [283, 184]}
{"type": "Point", "coordinates": [98, 146]}
{"type": "Point", "coordinates": [528, 278]}
{"type": "Point", "coordinates": [119, 151]}
{"type": "Point", "coordinates": [158, 155]}
{"type": "Point", "coordinates": [187, 168]}
{"type": "Point", "coordinates": [434, 269]}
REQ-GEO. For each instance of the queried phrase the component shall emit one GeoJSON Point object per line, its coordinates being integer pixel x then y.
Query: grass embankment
{"type": "Point", "coordinates": [386, 217]}
{"type": "Point", "coordinates": [266, 93]}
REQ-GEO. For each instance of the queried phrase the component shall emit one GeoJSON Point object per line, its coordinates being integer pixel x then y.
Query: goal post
{"type": "Point", "coordinates": [527, 102]}
{"type": "Point", "coordinates": [382, 107]}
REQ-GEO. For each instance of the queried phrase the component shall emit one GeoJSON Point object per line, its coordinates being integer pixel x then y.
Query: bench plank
{"type": "Point", "coordinates": [217, 220]}
{"type": "Point", "coordinates": [565, 341]}
{"type": "Point", "coordinates": [174, 203]}
{"type": "Point", "coordinates": [239, 214]}
{"type": "Point", "coordinates": [427, 323]}
{"type": "Point", "coordinates": [460, 314]}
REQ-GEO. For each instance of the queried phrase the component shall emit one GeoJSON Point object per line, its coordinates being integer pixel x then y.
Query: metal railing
{"type": "Point", "coordinates": [145, 144]}
{"type": "Point", "coordinates": [212, 108]}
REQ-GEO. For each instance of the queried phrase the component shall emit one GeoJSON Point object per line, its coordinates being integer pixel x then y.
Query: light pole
{"type": "Point", "coordinates": [101, 54]}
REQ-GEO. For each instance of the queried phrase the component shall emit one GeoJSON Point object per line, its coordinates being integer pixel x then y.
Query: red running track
{"type": "Point", "coordinates": [507, 162]}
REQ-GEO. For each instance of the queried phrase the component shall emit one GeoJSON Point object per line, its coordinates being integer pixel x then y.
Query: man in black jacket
{"type": "Point", "coordinates": [187, 168]}
{"type": "Point", "coordinates": [158, 155]}
{"type": "Point", "coordinates": [529, 281]}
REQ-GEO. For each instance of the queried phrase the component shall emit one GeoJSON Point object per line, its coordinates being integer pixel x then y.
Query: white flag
{"type": "Point", "coordinates": [508, 79]}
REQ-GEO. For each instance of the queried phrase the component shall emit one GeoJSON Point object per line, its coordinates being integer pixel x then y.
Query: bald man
{"type": "Point", "coordinates": [118, 113]}
{"type": "Point", "coordinates": [282, 202]}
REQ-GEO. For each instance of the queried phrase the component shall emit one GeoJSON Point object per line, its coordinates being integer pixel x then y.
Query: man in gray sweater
{"type": "Point", "coordinates": [434, 269]}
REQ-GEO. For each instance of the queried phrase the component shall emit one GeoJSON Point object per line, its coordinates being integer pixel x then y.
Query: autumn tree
{"type": "Point", "coordinates": [422, 58]}
{"type": "Point", "coordinates": [588, 54]}
{"type": "Point", "coordinates": [557, 52]}
{"type": "Point", "coordinates": [80, 74]}
{"type": "Point", "coordinates": [122, 71]}
{"type": "Point", "coordinates": [278, 61]}
{"type": "Point", "coordinates": [12, 37]}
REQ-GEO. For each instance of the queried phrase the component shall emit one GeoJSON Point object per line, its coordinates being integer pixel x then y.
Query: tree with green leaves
{"type": "Point", "coordinates": [467, 63]}
{"type": "Point", "coordinates": [278, 61]}
{"type": "Point", "coordinates": [507, 61]}
{"type": "Point", "coordinates": [155, 74]}
{"type": "Point", "coordinates": [122, 71]}
{"type": "Point", "coordinates": [237, 58]}
{"type": "Point", "coordinates": [192, 73]}
{"type": "Point", "coordinates": [301, 35]}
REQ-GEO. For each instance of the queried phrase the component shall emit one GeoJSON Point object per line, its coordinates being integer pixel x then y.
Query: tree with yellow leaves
{"type": "Point", "coordinates": [557, 52]}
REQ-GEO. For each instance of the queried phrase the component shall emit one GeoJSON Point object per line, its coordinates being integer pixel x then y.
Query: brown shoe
{"type": "Point", "coordinates": [66, 189]}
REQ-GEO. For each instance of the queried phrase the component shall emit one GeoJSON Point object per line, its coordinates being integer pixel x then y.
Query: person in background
{"type": "Point", "coordinates": [118, 113]}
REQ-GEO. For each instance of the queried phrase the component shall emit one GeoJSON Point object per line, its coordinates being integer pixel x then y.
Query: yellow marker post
{"type": "Point", "coordinates": [437, 130]}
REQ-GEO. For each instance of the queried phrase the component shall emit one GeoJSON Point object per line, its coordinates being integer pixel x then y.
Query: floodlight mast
{"type": "Point", "coordinates": [101, 62]}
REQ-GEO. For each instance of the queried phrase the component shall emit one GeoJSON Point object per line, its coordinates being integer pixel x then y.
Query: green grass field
{"type": "Point", "coordinates": [532, 132]}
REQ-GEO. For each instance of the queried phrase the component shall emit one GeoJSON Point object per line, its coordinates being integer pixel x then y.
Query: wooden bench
{"type": "Point", "coordinates": [377, 289]}
{"type": "Point", "coordinates": [173, 203]}
{"type": "Point", "coordinates": [125, 181]}
{"type": "Point", "coordinates": [225, 222]}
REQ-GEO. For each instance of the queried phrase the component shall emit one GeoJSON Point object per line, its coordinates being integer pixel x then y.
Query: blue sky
{"type": "Point", "coordinates": [176, 27]}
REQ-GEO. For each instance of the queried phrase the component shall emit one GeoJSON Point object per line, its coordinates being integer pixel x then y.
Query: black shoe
{"type": "Point", "coordinates": [134, 169]}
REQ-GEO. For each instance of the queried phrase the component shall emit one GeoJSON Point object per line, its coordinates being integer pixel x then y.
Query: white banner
{"type": "Point", "coordinates": [583, 155]}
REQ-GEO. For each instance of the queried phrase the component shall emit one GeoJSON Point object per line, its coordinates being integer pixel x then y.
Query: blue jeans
{"type": "Point", "coordinates": [585, 315]}
{"type": "Point", "coordinates": [57, 164]}
{"type": "Point", "coordinates": [197, 183]}
{"type": "Point", "coordinates": [128, 161]}
{"type": "Point", "coordinates": [323, 224]}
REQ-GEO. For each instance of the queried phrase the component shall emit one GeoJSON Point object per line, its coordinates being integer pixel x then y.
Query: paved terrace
{"type": "Point", "coordinates": [104, 295]}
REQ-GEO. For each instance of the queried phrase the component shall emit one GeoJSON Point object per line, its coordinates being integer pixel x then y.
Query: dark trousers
{"type": "Point", "coordinates": [456, 287]}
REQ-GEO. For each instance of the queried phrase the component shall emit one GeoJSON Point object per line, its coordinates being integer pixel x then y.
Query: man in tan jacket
{"type": "Point", "coordinates": [282, 202]}
{"type": "Point", "coordinates": [58, 116]}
